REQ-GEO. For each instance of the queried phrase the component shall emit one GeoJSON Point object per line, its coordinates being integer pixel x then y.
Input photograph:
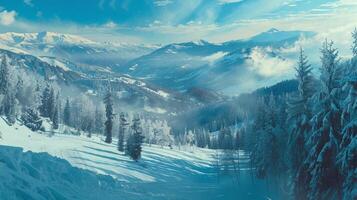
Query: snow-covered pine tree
{"type": "Point", "coordinates": [8, 106]}
{"type": "Point", "coordinates": [135, 140]}
{"type": "Point", "coordinates": [36, 95]}
{"type": "Point", "coordinates": [253, 141]}
{"type": "Point", "coordinates": [108, 101]}
{"type": "Point", "coordinates": [55, 117]}
{"type": "Point", "coordinates": [319, 175]}
{"type": "Point", "coordinates": [51, 104]}
{"type": "Point", "coordinates": [20, 93]}
{"type": "Point", "coordinates": [354, 43]}
{"type": "Point", "coordinates": [199, 137]}
{"type": "Point", "coordinates": [299, 113]}
{"type": "Point", "coordinates": [67, 113]}
{"type": "Point", "coordinates": [347, 157]}
{"type": "Point", "coordinates": [123, 123]}
{"type": "Point", "coordinates": [208, 139]}
{"type": "Point", "coordinates": [189, 138]}
{"type": "Point", "coordinates": [98, 121]}
{"type": "Point", "coordinates": [45, 98]}
{"type": "Point", "coordinates": [270, 158]}
{"type": "Point", "coordinates": [5, 97]}
{"type": "Point", "coordinates": [4, 76]}
{"type": "Point", "coordinates": [222, 137]}
{"type": "Point", "coordinates": [30, 117]}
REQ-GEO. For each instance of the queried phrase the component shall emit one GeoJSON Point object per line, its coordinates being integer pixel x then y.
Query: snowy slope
{"type": "Point", "coordinates": [162, 173]}
{"type": "Point", "coordinates": [80, 150]}
{"type": "Point", "coordinates": [39, 176]}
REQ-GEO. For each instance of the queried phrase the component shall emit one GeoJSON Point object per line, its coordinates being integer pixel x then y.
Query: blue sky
{"type": "Point", "coordinates": [165, 21]}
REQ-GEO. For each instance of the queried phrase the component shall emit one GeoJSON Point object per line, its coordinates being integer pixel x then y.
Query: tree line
{"type": "Point", "coordinates": [39, 103]}
{"type": "Point", "coordinates": [307, 141]}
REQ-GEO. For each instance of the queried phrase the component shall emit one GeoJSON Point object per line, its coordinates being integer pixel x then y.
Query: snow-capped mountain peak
{"type": "Point", "coordinates": [275, 35]}
{"type": "Point", "coordinates": [200, 42]}
{"type": "Point", "coordinates": [44, 37]}
{"type": "Point", "coordinates": [272, 30]}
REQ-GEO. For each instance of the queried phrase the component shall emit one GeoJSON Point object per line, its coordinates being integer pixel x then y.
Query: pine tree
{"type": "Point", "coordinates": [67, 113]}
{"type": "Point", "coordinates": [98, 121]}
{"type": "Point", "coordinates": [354, 43]}
{"type": "Point", "coordinates": [353, 64]}
{"type": "Point", "coordinates": [347, 157]}
{"type": "Point", "coordinates": [255, 140]}
{"type": "Point", "coordinates": [320, 164]}
{"type": "Point", "coordinates": [135, 140]}
{"type": "Point", "coordinates": [31, 119]}
{"type": "Point", "coordinates": [122, 127]}
{"type": "Point", "coordinates": [20, 91]}
{"type": "Point", "coordinates": [37, 99]}
{"type": "Point", "coordinates": [4, 76]}
{"type": "Point", "coordinates": [108, 101]}
{"type": "Point", "coordinates": [208, 139]}
{"type": "Point", "coordinates": [55, 117]}
{"type": "Point", "coordinates": [5, 105]}
{"type": "Point", "coordinates": [270, 141]}
{"type": "Point", "coordinates": [45, 98]}
{"type": "Point", "coordinates": [9, 103]}
{"type": "Point", "coordinates": [299, 112]}
{"type": "Point", "coordinates": [51, 104]}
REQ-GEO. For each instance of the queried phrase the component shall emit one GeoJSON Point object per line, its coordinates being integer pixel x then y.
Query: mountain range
{"type": "Point", "coordinates": [155, 76]}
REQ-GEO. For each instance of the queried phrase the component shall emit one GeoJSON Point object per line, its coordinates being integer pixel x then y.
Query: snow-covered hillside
{"type": "Point", "coordinates": [162, 173]}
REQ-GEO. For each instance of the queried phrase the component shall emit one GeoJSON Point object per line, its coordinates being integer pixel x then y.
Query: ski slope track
{"type": "Point", "coordinates": [39, 166]}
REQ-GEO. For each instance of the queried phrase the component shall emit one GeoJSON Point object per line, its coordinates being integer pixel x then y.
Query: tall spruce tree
{"type": "Point", "coordinates": [98, 121]}
{"type": "Point", "coordinates": [67, 113]}
{"type": "Point", "coordinates": [135, 140]}
{"type": "Point", "coordinates": [51, 104]}
{"type": "Point", "coordinates": [347, 157]}
{"type": "Point", "coordinates": [123, 123]}
{"type": "Point", "coordinates": [320, 165]}
{"type": "Point", "coordinates": [4, 86]}
{"type": "Point", "coordinates": [55, 117]}
{"type": "Point", "coordinates": [299, 112]}
{"type": "Point", "coordinates": [4, 76]}
{"type": "Point", "coordinates": [354, 43]}
{"type": "Point", "coordinates": [45, 98]}
{"type": "Point", "coordinates": [20, 93]}
{"type": "Point", "coordinates": [108, 101]}
{"type": "Point", "coordinates": [8, 105]}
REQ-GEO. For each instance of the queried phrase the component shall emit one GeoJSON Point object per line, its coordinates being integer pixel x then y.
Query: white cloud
{"type": "Point", "coordinates": [221, 2]}
{"type": "Point", "coordinates": [110, 24]}
{"type": "Point", "coordinates": [266, 65]}
{"type": "Point", "coordinates": [7, 18]}
{"type": "Point", "coordinates": [161, 3]}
